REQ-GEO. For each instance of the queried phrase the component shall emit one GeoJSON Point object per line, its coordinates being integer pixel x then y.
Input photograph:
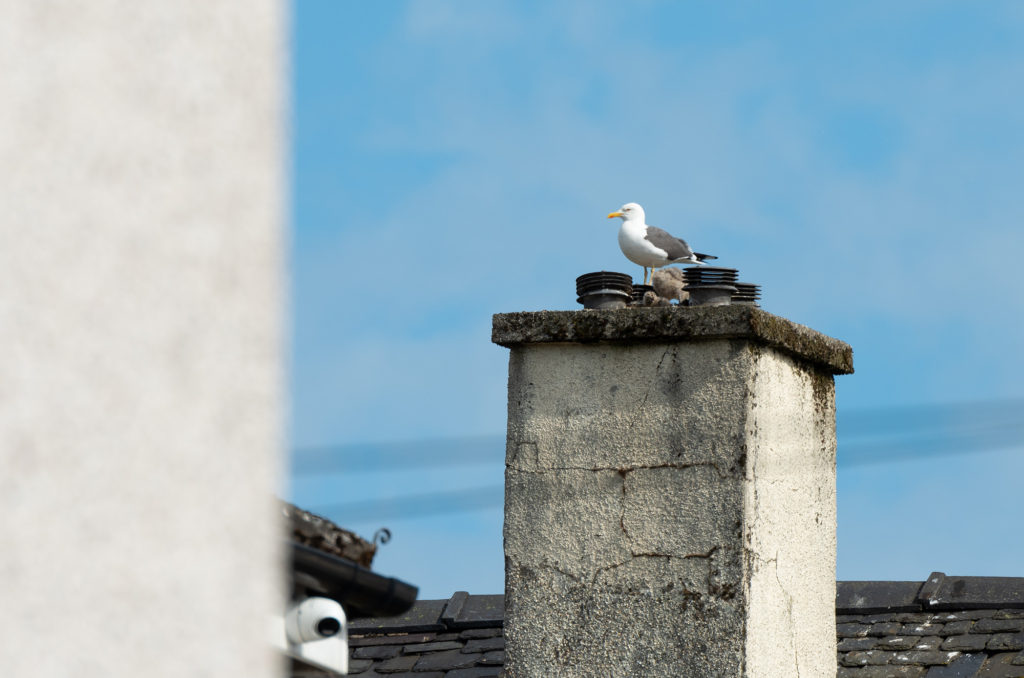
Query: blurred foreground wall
{"type": "Point", "coordinates": [141, 295]}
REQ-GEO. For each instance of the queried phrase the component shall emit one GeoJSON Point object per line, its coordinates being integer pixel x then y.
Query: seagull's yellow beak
{"type": "Point", "coordinates": [615, 214]}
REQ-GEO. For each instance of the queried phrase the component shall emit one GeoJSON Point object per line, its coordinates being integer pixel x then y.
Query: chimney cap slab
{"type": "Point", "coordinates": [673, 324]}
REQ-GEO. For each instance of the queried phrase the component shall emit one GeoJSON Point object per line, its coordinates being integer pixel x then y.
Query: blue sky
{"type": "Point", "coordinates": [452, 159]}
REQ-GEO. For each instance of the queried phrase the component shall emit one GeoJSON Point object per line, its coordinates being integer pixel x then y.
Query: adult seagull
{"type": "Point", "coordinates": [650, 246]}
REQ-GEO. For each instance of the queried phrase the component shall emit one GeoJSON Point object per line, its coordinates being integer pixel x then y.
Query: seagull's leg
{"type": "Point", "coordinates": [653, 269]}
{"type": "Point", "coordinates": [645, 275]}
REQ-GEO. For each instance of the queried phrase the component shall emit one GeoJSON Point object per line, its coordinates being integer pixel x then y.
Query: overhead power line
{"type": "Point", "coordinates": [383, 509]}
{"type": "Point", "coordinates": [354, 458]}
{"type": "Point", "coordinates": [415, 505]}
{"type": "Point", "coordinates": [868, 436]}
{"type": "Point", "coordinates": [879, 436]}
{"type": "Point", "coordinates": [943, 443]}
{"type": "Point", "coordinates": [911, 419]}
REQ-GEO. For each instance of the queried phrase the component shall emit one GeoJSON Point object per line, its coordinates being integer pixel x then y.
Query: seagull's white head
{"type": "Point", "coordinates": [629, 212]}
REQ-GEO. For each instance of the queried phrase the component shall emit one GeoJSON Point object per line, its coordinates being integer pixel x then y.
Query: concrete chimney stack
{"type": "Point", "coordinates": [670, 494]}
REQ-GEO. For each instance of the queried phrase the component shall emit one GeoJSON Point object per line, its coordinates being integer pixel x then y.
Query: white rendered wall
{"type": "Point", "coordinates": [141, 294]}
{"type": "Point", "coordinates": [790, 504]}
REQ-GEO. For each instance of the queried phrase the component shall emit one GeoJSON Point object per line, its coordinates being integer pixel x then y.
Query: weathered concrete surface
{"type": "Point", "coordinates": [670, 507]}
{"type": "Point", "coordinates": [674, 323]}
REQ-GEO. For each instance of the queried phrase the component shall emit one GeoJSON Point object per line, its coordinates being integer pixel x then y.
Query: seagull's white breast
{"type": "Point", "coordinates": [636, 248]}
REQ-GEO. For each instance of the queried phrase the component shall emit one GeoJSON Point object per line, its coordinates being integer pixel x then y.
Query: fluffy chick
{"type": "Point", "coordinates": [668, 284]}
{"type": "Point", "coordinates": [652, 299]}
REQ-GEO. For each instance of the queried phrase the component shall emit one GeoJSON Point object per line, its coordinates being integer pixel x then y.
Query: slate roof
{"type": "Point", "coordinates": [944, 627]}
{"type": "Point", "coordinates": [455, 638]}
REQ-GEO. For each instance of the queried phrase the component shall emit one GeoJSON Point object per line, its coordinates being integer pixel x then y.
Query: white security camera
{"type": "Point", "coordinates": [313, 619]}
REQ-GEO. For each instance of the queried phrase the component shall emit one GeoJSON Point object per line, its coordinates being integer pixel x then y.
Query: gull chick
{"type": "Point", "coordinates": [650, 246]}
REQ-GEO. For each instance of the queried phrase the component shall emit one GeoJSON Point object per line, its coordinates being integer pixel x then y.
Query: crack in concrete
{"type": "Point", "coordinates": [599, 571]}
{"type": "Point", "coordinates": [551, 566]}
{"type": "Point", "coordinates": [789, 613]}
{"type": "Point", "coordinates": [665, 556]}
{"type": "Point", "coordinates": [622, 511]}
{"type": "Point", "coordinates": [649, 554]}
{"type": "Point", "coordinates": [650, 385]}
{"type": "Point", "coordinates": [622, 514]}
{"type": "Point", "coordinates": [624, 469]}
{"type": "Point", "coordinates": [714, 549]}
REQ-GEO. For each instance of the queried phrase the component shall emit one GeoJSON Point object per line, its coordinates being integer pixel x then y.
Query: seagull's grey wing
{"type": "Point", "coordinates": [675, 247]}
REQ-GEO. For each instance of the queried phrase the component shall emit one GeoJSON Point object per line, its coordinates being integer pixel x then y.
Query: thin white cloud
{"type": "Point", "coordinates": [444, 20]}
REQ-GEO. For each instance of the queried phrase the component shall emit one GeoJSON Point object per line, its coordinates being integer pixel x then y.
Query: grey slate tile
{"type": "Point", "coordinates": [376, 652]}
{"type": "Point", "coordinates": [929, 643]}
{"type": "Point", "coordinates": [447, 636]}
{"type": "Point", "coordinates": [453, 607]}
{"type": "Point", "coordinates": [999, 626]}
{"type": "Point", "coordinates": [420, 648]}
{"type": "Point", "coordinates": [886, 629]}
{"type": "Point", "coordinates": [1006, 641]}
{"type": "Point", "coordinates": [445, 661]}
{"type": "Point", "coordinates": [882, 672]}
{"type": "Point", "coordinates": [897, 642]}
{"type": "Point", "coordinates": [958, 628]}
{"type": "Point", "coordinates": [479, 612]}
{"type": "Point", "coordinates": [925, 629]}
{"type": "Point", "coordinates": [945, 592]}
{"type": "Point", "coordinates": [863, 597]}
{"type": "Point", "coordinates": [356, 666]}
{"type": "Point", "coordinates": [403, 639]}
{"type": "Point", "coordinates": [484, 644]}
{"type": "Point", "coordinates": [423, 616]}
{"type": "Point", "coordinates": [925, 657]}
{"type": "Point", "coordinates": [970, 642]}
{"type": "Point", "coordinates": [965, 666]}
{"type": "Point", "coordinates": [480, 633]}
{"type": "Point", "coordinates": [867, 658]}
{"type": "Point", "coordinates": [850, 644]}
{"type": "Point", "coordinates": [981, 614]}
{"type": "Point", "coordinates": [475, 672]}
{"type": "Point", "coordinates": [396, 664]}
{"type": "Point", "coordinates": [957, 615]}
{"type": "Point", "coordinates": [494, 658]}
{"type": "Point", "coordinates": [876, 618]}
{"type": "Point", "coordinates": [852, 630]}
